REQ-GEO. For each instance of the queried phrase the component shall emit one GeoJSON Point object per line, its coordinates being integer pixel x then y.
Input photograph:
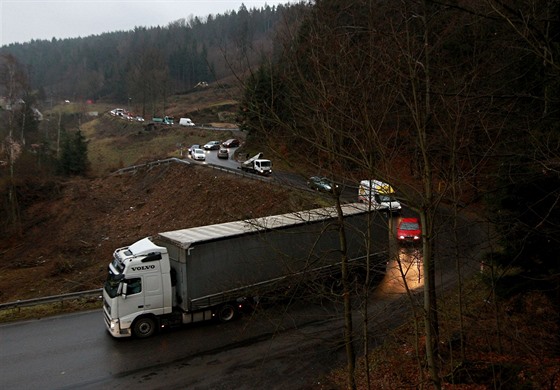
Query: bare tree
{"type": "Point", "coordinates": [381, 91]}
{"type": "Point", "coordinates": [13, 80]}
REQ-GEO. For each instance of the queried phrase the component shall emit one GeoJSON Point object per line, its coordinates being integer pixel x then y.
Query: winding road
{"type": "Point", "coordinates": [285, 346]}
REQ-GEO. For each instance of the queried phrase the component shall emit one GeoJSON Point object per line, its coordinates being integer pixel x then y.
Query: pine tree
{"type": "Point", "coordinates": [73, 158]}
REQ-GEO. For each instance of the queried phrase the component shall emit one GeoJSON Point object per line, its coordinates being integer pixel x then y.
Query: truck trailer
{"type": "Point", "coordinates": [212, 272]}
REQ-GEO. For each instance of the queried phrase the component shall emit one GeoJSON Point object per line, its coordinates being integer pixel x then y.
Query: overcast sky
{"type": "Point", "coordinates": [24, 20]}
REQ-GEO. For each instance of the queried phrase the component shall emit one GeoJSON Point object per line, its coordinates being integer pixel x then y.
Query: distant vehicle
{"type": "Point", "coordinates": [379, 194]}
{"type": "Point", "coordinates": [166, 120]}
{"type": "Point", "coordinates": [198, 154]}
{"type": "Point", "coordinates": [139, 119]}
{"type": "Point", "coordinates": [186, 122]}
{"type": "Point", "coordinates": [408, 230]}
{"type": "Point", "coordinates": [193, 147]}
{"type": "Point", "coordinates": [258, 165]}
{"type": "Point", "coordinates": [320, 184]}
{"type": "Point", "coordinates": [212, 145]}
{"type": "Point", "coordinates": [117, 112]}
{"type": "Point", "coordinates": [231, 143]}
{"type": "Point", "coordinates": [223, 153]}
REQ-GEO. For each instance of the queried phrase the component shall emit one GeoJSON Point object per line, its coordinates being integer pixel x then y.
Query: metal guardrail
{"type": "Point", "coordinates": [156, 163]}
{"type": "Point", "coordinates": [51, 299]}
{"type": "Point", "coordinates": [239, 172]}
{"type": "Point", "coordinates": [208, 127]}
{"type": "Point", "coordinates": [151, 165]}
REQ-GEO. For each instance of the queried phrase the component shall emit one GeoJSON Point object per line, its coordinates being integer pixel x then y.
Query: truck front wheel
{"type": "Point", "coordinates": [226, 313]}
{"type": "Point", "coordinates": [144, 327]}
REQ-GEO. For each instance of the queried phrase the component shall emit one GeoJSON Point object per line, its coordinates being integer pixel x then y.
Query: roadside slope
{"type": "Point", "coordinates": [69, 236]}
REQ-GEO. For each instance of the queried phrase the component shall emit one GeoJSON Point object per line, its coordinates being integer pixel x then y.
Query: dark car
{"type": "Point", "coordinates": [231, 143]}
{"type": "Point", "coordinates": [320, 184]}
{"type": "Point", "coordinates": [223, 153]}
{"type": "Point", "coordinates": [409, 230]}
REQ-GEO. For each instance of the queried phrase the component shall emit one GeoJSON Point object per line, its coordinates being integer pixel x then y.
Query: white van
{"type": "Point", "coordinates": [186, 122]}
{"type": "Point", "coordinates": [379, 194]}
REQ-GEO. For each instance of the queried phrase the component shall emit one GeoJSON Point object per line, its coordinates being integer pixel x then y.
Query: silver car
{"type": "Point", "coordinates": [212, 145]}
{"type": "Point", "coordinates": [199, 155]}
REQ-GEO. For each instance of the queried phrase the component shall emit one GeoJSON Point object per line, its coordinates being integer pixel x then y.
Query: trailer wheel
{"type": "Point", "coordinates": [226, 313]}
{"type": "Point", "coordinates": [144, 327]}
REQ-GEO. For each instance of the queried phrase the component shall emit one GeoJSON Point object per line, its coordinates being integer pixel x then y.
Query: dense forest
{"type": "Point", "coordinates": [148, 64]}
{"type": "Point", "coordinates": [455, 103]}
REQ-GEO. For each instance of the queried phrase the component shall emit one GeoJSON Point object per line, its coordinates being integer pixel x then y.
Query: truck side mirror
{"type": "Point", "coordinates": [123, 288]}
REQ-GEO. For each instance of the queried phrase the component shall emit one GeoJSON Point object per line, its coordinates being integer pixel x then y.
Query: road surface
{"type": "Point", "coordinates": [280, 347]}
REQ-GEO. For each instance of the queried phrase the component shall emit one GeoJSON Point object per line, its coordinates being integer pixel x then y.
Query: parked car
{"type": "Point", "coordinates": [198, 154]}
{"type": "Point", "coordinates": [223, 153]}
{"type": "Point", "coordinates": [193, 147]}
{"type": "Point", "coordinates": [212, 145]}
{"type": "Point", "coordinates": [409, 230]}
{"type": "Point", "coordinates": [231, 143]}
{"type": "Point", "coordinates": [320, 184]}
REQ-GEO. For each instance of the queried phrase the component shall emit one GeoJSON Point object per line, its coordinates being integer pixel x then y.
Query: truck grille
{"type": "Point", "coordinates": [107, 320]}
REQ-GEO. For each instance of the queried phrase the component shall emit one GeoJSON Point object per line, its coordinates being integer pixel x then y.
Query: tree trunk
{"type": "Point", "coordinates": [347, 299]}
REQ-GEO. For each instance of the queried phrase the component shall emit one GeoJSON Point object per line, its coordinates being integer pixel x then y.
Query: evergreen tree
{"type": "Point", "coordinates": [73, 157]}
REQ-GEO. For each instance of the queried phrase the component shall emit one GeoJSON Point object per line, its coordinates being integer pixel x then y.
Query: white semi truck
{"type": "Point", "coordinates": [211, 272]}
{"type": "Point", "coordinates": [257, 164]}
{"type": "Point", "coordinates": [379, 194]}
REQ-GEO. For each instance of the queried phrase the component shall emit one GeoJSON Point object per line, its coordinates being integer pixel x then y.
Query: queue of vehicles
{"type": "Point", "coordinates": [125, 114]}
{"type": "Point", "coordinates": [256, 164]}
{"type": "Point", "coordinates": [215, 272]}
{"type": "Point", "coordinates": [375, 193]}
{"type": "Point", "coordinates": [378, 195]}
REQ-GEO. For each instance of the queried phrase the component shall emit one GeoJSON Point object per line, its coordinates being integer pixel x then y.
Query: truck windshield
{"type": "Point", "coordinates": [386, 198]}
{"type": "Point", "coordinates": [112, 284]}
{"type": "Point", "coordinates": [119, 266]}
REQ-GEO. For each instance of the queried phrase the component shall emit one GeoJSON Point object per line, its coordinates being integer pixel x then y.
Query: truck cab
{"type": "Point", "coordinates": [378, 194]}
{"type": "Point", "coordinates": [257, 164]}
{"type": "Point", "coordinates": [137, 290]}
{"type": "Point", "coordinates": [263, 167]}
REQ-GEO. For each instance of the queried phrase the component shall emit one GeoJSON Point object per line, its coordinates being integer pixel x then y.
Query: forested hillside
{"type": "Point", "coordinates": [147, 64]}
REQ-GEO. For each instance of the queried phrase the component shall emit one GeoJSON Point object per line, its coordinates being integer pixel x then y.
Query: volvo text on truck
{"type": "Point", "coordinates": [211, 272]}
